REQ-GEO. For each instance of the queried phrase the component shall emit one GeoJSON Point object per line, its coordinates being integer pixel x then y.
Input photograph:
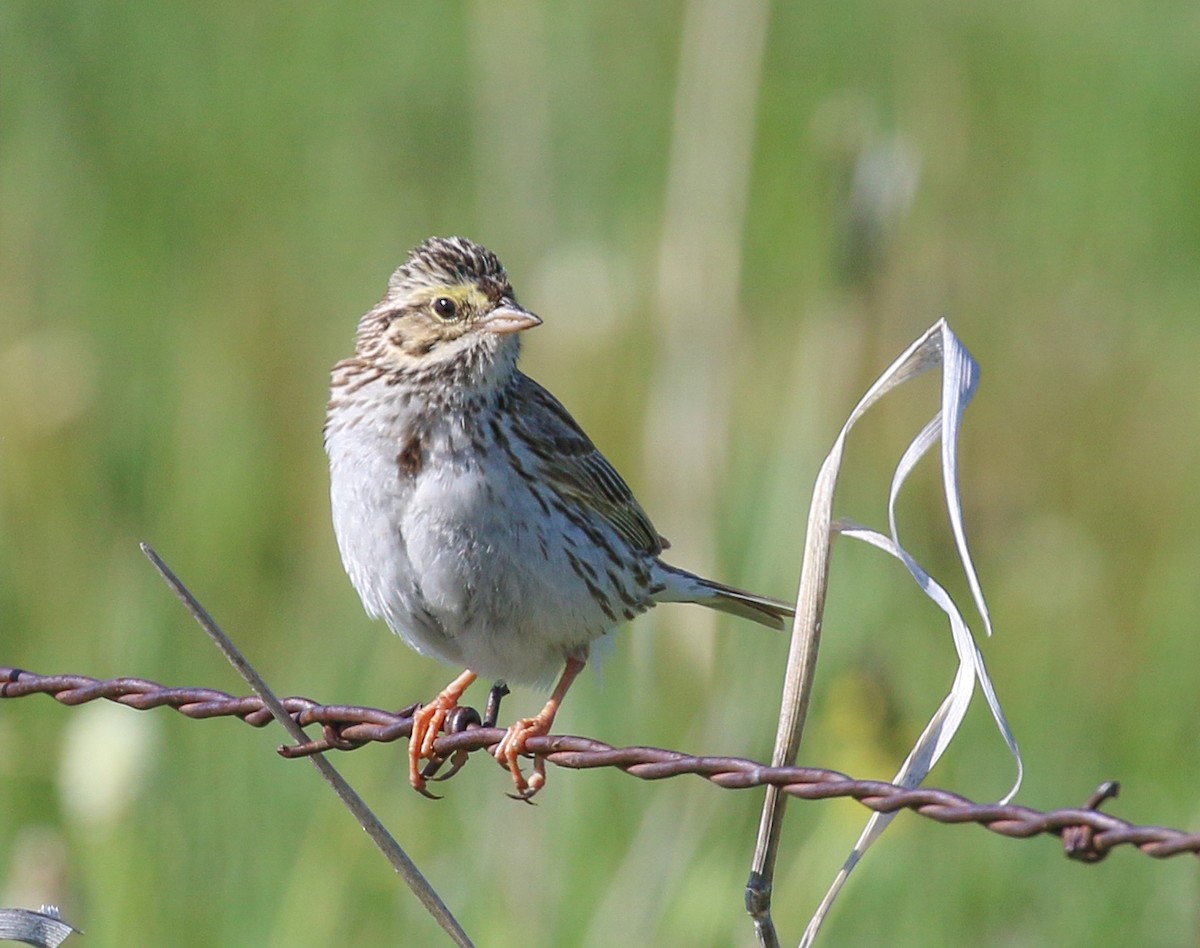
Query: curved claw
{"type": "Point", "coordinates": [431, 769]}
{"type": "Point", "coordinates": [457, 761]}
{"type": "Point", "coordinates": [531, 786]}
{"type": "Point", "coordinates": [425, 792]}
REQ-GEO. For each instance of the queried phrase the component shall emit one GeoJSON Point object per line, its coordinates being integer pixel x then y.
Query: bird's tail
{"type": "Point", "coordinates": [682, 586]}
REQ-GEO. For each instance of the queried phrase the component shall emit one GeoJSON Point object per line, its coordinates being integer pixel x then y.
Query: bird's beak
{"type": "Point", "coordinates": [509, 317]}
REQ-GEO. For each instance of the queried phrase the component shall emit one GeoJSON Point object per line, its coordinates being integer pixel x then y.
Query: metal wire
{"type": "Point", "coordinates": [1088, 835]}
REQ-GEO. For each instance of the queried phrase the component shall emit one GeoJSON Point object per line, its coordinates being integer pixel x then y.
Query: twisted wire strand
{"type": "Point", "coordinates": [1088, 835]}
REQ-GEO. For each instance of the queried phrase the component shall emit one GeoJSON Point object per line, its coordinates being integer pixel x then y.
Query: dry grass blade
{"type": "Point", "coordinates": [43, 929]}
{"type": "Point", "coordinates": [938, 346]}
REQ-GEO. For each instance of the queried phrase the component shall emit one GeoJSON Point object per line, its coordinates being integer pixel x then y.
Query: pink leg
{"type": "Point", "coordinates": [512, 746]}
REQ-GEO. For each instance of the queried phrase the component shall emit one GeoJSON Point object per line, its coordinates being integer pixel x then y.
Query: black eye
{"type": "Point", "coordinates": [445, 307]}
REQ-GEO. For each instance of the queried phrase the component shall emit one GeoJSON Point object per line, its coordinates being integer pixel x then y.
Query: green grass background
{"type": "Point", "coordinates": [199, 199]}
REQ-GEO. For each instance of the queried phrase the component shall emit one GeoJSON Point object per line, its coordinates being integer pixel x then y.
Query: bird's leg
{"type": "Point", "coordinates": [427, 724]}
{"type": "Point", "coordinates": [512, 745]}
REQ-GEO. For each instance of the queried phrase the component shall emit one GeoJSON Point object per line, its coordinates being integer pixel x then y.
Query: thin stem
{"type": "Point", "coordinates": [354, 803]}
{"type": "Point", "coordinates": [797, 692]}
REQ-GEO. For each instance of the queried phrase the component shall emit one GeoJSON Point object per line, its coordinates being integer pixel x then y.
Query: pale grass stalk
{"type": "Point", "coordinates": [938, 346]}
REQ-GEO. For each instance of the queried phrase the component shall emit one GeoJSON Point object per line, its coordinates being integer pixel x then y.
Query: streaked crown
{"type": "Point", "coordinates": [451, 261]}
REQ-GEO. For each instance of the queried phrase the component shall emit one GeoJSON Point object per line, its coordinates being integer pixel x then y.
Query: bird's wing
{"type": "Point", "coordinates": [571, 464]}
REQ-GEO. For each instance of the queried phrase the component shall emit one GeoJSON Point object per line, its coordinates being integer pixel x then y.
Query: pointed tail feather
{"type": "Point", "coordinates": [682, 586]}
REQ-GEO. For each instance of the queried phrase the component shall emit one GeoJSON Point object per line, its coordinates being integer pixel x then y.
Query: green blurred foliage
{"type": "Point", "coordinates": [199, 200]}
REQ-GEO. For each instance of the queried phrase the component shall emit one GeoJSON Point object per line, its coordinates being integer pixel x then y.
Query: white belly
{"type": "Point", "coordinates": [461, 561]}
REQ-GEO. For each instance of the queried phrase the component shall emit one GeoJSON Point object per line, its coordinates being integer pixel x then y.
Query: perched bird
{"type": "Point", "coordinates": [473, 514]}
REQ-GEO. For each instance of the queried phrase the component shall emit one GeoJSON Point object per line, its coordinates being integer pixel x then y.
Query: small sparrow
{"type": "Point", "coordinates": [473, 514]}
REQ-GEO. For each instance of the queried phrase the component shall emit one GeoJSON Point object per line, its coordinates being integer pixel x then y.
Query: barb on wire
{"type": "Point", "coordinates": [1088, 835]}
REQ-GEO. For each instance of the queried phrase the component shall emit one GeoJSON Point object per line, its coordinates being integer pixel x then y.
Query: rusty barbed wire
{"type": "Point", "coordinates": [1088, 835]}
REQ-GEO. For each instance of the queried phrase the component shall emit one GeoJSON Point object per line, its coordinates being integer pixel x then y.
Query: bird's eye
{"type": "Point", "coordinates": [445, 307]}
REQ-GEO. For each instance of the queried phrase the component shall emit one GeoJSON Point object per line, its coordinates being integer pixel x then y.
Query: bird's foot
{"type": "Point", "coordinates": [427, 724]}
{"type": "Point", "coordinates": [508, 753]}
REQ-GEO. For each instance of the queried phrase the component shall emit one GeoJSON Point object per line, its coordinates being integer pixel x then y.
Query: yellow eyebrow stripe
{"type": "Point", "coordinates": [466, 295]}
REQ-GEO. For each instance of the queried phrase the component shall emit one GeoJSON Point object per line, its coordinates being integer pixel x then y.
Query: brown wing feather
{"type": "Point", "coordinates": [576, 469]}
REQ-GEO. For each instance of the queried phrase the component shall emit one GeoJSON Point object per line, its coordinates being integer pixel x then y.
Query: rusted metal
{"type": "Point", "coordinates": [1087, 834]}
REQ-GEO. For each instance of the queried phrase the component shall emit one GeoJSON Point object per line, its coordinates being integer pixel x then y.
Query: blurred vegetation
{"type": "Point", "coordinates": [200, 199]}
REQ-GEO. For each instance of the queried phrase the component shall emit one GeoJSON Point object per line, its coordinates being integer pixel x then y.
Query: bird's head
{"type": "Point", "coordinates": [449, 311]}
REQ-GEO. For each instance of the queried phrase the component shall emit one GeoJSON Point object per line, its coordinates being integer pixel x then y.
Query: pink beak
{"type": "Point", "coordinates": [509, 317]}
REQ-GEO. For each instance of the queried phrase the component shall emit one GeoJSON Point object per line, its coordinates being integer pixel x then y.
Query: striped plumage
{"type": "Point", "coordinates": [472, 513]}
